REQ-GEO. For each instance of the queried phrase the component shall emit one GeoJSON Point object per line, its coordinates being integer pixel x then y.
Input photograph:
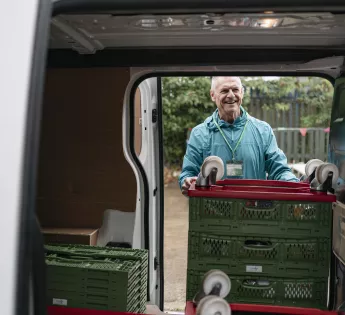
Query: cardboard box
{"type": "Point", "coordinates": [70, 236]}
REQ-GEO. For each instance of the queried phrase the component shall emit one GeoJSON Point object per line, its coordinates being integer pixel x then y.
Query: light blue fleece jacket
{"type": "Point", "coordinates": [258, 148]}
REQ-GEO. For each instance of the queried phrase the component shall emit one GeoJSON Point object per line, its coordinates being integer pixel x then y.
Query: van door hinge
{"type": "Point", "coordinates": [154, 115]}
{"type": "Point", "coordinates": [155, 263]}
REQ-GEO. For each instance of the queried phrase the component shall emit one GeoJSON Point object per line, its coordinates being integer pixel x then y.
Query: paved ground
{"type": "Point", "coordinates": [175, 247]}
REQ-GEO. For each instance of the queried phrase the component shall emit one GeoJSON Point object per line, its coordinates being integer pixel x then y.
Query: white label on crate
{"type": "Point", "coordinates": [62, 302]}
{"type": "Point", "coordinates": [250, 268]}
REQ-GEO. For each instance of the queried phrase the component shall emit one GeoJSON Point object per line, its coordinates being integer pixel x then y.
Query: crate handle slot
{"type": "Point", "coordinates": [256, 284]}
{"type": "Point", "coordinates": [91, 253]}
{"type": "Point", "coordinates": [259, 209]}
{"type": "Point", "coordinates": [258, 244]}
{"type": "Point", "coordinates": [73, 251]}
{"type": "Point", "coordinates": [77, 251]}
{"type": "Point", "coordinates": [68, 256]}
{"type": "Point", "coordinates": [73, 258]}
{"type": "Point", "coordinates": [267, 205]}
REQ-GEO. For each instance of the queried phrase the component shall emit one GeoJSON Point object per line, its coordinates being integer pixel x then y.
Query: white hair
{"type": "Point", "coordinates": [214, 81]}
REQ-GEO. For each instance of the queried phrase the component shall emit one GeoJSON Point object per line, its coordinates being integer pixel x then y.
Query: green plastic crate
{"type": "Point", "coordinates": [260, 217]}
{"type": "Point", "coordinates": [89, 282]}
{"type": "Point", "coordinates": [308, 257]}
{"type": "Point", "coordinates": [108, 252]}
{"type": "Point", "coordinates": [304, 292]}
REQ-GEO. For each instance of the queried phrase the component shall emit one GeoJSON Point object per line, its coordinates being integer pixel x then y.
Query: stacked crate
{"type": "Point", "coordinates": [102, 278]}
{"type": "Point", "coordinates": [275, 251]}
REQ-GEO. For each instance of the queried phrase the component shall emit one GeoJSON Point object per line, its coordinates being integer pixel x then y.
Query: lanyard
{"type": "Point", "coordinates": [223, 135]}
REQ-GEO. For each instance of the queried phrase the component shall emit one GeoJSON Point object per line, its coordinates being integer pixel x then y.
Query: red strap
{"type": "Point", "coordinates": [267, 309]}
{"type": "Point", "coordinates": [61, 310]}
{"type": "Point", "coordinates": [261, 182]}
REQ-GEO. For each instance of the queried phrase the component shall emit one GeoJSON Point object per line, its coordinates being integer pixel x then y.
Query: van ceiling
{"type": "Point", "coordinates": [88, 34]}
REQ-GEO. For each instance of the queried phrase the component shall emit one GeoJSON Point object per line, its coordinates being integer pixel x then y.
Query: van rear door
{"type": "Point", "coordinates": [24, 29]}
{"type": "Point", "coordinates": [147, 165]}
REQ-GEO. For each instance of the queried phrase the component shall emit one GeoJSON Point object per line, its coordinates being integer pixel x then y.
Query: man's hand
{"type": "Point", "coordinates": [187, 183]}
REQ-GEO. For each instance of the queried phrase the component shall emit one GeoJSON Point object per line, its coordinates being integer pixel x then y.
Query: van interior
{"type": "Point", "coordinates": [100, 167]}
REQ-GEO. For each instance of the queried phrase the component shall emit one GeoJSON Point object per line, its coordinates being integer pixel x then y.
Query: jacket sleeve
{"type": "Point", "coordinates": [193, 158]}
{"type": "Point", "coordinates": [276, 162]}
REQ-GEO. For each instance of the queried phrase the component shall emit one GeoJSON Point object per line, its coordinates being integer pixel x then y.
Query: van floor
{"type": "Point", "coordinates": [175, 247]}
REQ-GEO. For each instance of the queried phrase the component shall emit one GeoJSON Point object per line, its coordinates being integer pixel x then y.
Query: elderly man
{"type": "Point", "coordinates": [246, 145]}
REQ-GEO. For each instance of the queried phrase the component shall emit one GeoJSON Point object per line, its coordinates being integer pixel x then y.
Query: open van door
{"type": "Point", "coordinates": [337, 130]}
{"type": "Point", "coordinates": [147, 165]}
{"type": "Point", "coordinates": [23, 55]}
{"type": "Point", "coordinates": [337, 156]}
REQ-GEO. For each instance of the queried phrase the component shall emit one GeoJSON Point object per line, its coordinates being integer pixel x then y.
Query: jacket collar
{"type": "Point", "coordinates": [239, 121]}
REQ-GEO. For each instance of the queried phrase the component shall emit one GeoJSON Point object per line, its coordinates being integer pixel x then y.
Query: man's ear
{"type": "Point", "coordinates": [242, 90]}
{"type": "Point", "coordinates": [213, 98]}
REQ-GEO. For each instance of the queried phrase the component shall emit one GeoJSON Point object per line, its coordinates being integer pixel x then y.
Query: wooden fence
{"type": "Point", "coordinates": [301, 148]}
{"type": "Point", "coordinates": [262, 107]}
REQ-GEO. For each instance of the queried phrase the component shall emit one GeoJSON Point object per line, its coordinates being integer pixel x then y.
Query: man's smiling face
{"type": "Point", "coordinates": [227, 93]}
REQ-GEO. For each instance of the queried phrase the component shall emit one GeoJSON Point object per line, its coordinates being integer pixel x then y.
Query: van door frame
{"type": "Point", "coordinates": [21, 123]}
{"type": "Point", "coordinates": [328, 73]}
{"type": "Point", "coordinates": [146, 196]}
{"type": "Point", "coordinates": [336, 155]}
{"type": "Point", "coordinates": [31, 282]}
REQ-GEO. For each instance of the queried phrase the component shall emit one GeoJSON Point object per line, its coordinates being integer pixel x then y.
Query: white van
{"type": "Point", "coordinates": [81, 81]}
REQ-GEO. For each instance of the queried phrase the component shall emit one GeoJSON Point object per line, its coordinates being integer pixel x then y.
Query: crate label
{"type": "Point", "coordinates": [62, 302]}
{"type": "Point", "coordinates": [259, 204]}
{"type": "Point", "coordinates": [250, 268]}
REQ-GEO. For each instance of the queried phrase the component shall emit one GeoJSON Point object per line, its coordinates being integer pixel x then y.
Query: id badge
{"type": "Point", "coordinates": [234, 168]}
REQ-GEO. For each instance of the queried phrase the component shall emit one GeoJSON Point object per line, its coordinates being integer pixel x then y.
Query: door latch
{"type": "Point", "coordinates": [155, 263]}
{"type": "Point", "coordinates": [154, 115]}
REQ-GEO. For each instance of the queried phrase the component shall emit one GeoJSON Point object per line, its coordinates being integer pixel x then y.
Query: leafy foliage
{"type": "Point", "coordinates": [318, 101]}
{"type": "Point", "coordinates": [187, 103]}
